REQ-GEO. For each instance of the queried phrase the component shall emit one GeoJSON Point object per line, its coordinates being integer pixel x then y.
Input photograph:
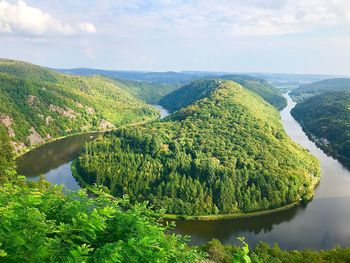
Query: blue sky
{"type": "Point", "coordinates": [290, 36]}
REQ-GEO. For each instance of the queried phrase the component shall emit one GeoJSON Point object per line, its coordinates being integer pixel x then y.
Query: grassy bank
{"type": "Point", "coordinates": [231, 216]}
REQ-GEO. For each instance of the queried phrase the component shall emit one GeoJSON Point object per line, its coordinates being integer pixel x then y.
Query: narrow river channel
{"type": "Point", "coordinates": [321, 224]}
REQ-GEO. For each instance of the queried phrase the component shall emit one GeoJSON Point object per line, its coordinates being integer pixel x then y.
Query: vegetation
{"type": "Point", "coordinates": [149, 91]}
{"type": "Point", "coordinates": [320, 87]}
{"type": "Point", "coordinates": [268, 92]}
{"type": "Point", "coordinates": [148, 86]}
{"type": "Point", "coordinates": [6, 156]}
{"type": "Point", "coordinates": [263, 253]}
{"type": "Point", "coordinates": [40, 223]}
{"type": "Point", "coordinates": [37, 104]}
{"type": "Point", "coordinates": [327, 119]}
{"type": "Point", "coordinates": [201, 88]}
{"type": "Point", "coordinates": [226, 153]}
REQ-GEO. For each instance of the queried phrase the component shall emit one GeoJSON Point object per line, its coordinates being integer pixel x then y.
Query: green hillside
{"type": "Point", "coordinates": [149, 91]}
{"type": "Point", "coordinates": [326, 118]}
{"type": "Point", "coordinates": [37, 104]}
{"type": "Point", "coordinates": [199, 89]}
{"type": "Point", "coordinates": [320, 87]}
{"type": "Point", "coordinates": [267, 91]}
{"type": "Point", "coordinates": [225, 153]}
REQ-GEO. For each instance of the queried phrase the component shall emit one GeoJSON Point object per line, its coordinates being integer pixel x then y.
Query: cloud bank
{"type": "Point", "coordinates": [23, 20]}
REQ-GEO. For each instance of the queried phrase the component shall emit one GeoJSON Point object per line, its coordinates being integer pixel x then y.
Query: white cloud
{"type": "Point", "coordinates": [235, 17]}
{"type": "Point", "coordinates": [87, 27]}
{"type": "Point", "coordinates": [22, 19]}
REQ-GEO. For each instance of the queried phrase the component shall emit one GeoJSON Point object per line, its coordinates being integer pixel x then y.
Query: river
{"type": "Point", "coordinates": [321, 224]}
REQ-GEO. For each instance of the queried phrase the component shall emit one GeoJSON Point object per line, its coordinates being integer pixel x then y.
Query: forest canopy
{"type": "Point", "coordinates": [326, 118]}
{"type": "Point", "coordinates": [225, 153]}
{"type": "Point", "coordinates": [201, 88]}
{"type": "Point", "coordinates": [37, 104]}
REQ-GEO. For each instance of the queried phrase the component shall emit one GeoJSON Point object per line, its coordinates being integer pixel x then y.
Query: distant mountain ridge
{"type": "Point", "coordinates": [320, 87]}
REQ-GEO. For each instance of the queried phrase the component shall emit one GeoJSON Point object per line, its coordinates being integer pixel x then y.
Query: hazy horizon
{"type": "Point", "coordinates": [286, 36]}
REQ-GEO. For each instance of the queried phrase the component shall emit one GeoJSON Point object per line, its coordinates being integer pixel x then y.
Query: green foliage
{"type": "Point", "coordinates": [262, 87]}
{"type": "Point", "coordinates": [188, 94]}
{"type": "Point", "coordinates": [263, 253]}
{"type": "Point", "coordinates": [149, 91]}
{"type": "Point", "coordinates": [202, 88]}
{"type": "Point", "coordinates": [225, 153]}
{"type": "Point", "coordinates": [327, 119]}
{"type": "Point", "coordinates": [56, 105]}
{"type": "Point", "coordinates": [320, 87]}
{"type": "Point", "coordinates": [40, 223]}
{"type": "Point", "coordinates": [241, 256]}
{"type": "Point", "coordinates": [6, 156]}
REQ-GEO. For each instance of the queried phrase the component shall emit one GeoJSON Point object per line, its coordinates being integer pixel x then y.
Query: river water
{"type": "Point", "coordinates": [322, 223]}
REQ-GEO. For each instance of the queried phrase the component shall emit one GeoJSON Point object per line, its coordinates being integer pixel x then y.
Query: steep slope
{"type": "Point", "coordinates": [225, 153]}
{"type": "Point", "coordinates": [260, 86]}
{"type": "Point", "coordinates": [188, 94]}
{"type": "Point", "coordinates": [149, 91]}
{"type": "Point", "coordinates": [326, 118]}
{"type": "Point", "coordinates": [37, 105]}
{"type": "Point", "coordinates": [197, 90]}
{"type": "Point", "coordinates": [6, 155]}
{"type": "Point", "coordinates": [148, 86]}
{"type": "Point", "coordinates": [320, 87]}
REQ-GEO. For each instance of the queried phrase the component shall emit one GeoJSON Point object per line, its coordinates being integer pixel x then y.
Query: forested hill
{"type": "Point", "coordinates": [327, 118]}
{"type": "Point", "coordinates": [201, 88]}
{"type": "Point", "coordinates": [262, 87]}
{"type": "Point", "coordinates": [37, 104]}
{"type": "Point", "coordinates": [320, 87]}
{"type": "Point", "coordinates": [225, 153]}
{"type": "Point", "coordinates": [148, 86]}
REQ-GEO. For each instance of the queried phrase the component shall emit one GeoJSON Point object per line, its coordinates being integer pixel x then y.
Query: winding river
{"type": "Point", "coordinates": [321, 224]}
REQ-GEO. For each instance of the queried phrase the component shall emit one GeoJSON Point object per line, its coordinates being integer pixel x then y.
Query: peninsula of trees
{"type": "Point", "coordinates": [225, 152]}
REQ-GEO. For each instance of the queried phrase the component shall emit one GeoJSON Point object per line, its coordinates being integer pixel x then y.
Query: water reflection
{"type": "Point", "coordinates": [53, 160]}
{"type": "Point", "coordinates": [322, 224]}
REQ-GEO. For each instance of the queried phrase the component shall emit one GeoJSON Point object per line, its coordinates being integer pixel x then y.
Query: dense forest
{"type": "Point", "coordinates": [149, 91]}
{"type": "Point", "coordinates": [262, 87]}
{"type": "Point", "coordinates": [327, 119]}
{"type": "Point", "coordinates": [42, 223]}
{"type": "Point", "coordinates": [200, 89]}
{"type": "Point", "coordinates": [320, 87]}
{"type": "Point", "coordinates": [148, 86]}
{"type": "Point", "coordinates": [37, 104]}
{"type": "Point", "coordinates": [225, 153]}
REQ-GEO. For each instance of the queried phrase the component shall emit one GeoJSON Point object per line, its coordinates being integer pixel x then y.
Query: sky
{"type": "Point", "coordinates": [281, 36]}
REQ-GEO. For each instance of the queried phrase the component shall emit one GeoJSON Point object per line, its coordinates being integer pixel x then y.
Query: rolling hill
{"type": "Point", "coordinates": [320, 87]}
{"type": "Point", "coordinates": [38, 105]}
{"type": "Point", "coordinates": [225, 152]}
{"type": "Point", "coordinates": [326, 118]}
{"type": "Point", "coordinates": [197, 90]}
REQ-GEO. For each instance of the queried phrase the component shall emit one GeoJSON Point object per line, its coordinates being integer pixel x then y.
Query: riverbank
{"type": "Point", "coordinates": [87, 186]}
{"type": "Point", "coordinates": [231, 216]}
{"type": "Point", "coordinates": [17, 155]}
{"type": "Point", "coordinates": [325, 147]}
{"type": "Point", "coordinates": [27, 150]}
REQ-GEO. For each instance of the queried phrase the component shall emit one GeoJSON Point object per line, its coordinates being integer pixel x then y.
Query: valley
{"type": "Point", "coordinates": [182, 162]}
{"type": "Point", "coordinates": [329, 203]}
